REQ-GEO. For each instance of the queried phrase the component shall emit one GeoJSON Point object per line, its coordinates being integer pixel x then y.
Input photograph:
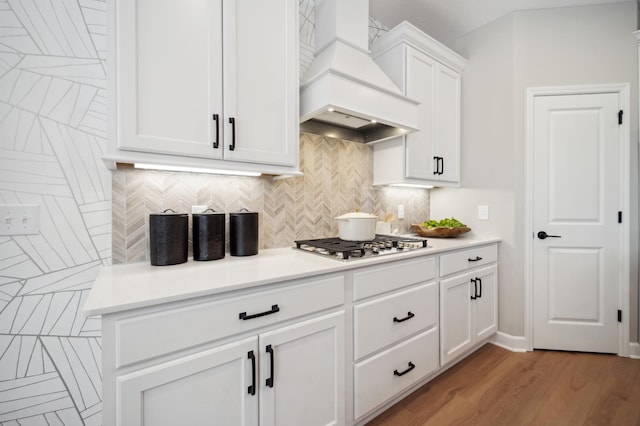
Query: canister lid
{"type": "Point", "coordinates": [168, 212]}
{"type": "Point", "coordinates": [208, 212]}
{"type": "Point", "coordinates": [241, 212]}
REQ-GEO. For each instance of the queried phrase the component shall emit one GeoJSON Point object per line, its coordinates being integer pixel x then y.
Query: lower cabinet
{"type": "Point", "coordinates": [302, 373]}
{"type": "Point", "coordinates": [395, 331]}
{"type": "Point", "coordinates": [210, 387]}
{"type": "Point", "coordinates": [468, 310]}
{"type": "Point", "coordinates": [332, 349]}
{"type": "Point", "coordinates": [292, 375]}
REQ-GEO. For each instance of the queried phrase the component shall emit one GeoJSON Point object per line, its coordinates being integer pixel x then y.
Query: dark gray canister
{"type": "Point", "coordinates": [208, 235]}
{"type": "Point", "coordinates": [168, 238]}
{"type": "Point", "coordinates": [243, 230]}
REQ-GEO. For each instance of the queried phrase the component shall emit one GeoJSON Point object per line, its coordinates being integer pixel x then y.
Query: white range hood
{"type": "Point", "coordinates": [343, 93]}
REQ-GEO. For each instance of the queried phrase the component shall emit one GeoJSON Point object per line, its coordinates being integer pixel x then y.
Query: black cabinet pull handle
{"type": "Point", "coordinates": [273, 310]}
{"type": "Point", "coordinates": [408, 317]}
{"type": "Point", "coordinates": [402, 373]}
{"type": "Point", "coordinates": [542, 235]}
{"type": "Point", "coordinates": [477, 258]}
{"type": "Point", "coordinates": [216, 143]}
{"type": "Point", "coordinates": [441, 168]}
{"type": "Point", "coordinates": [269, 381]}
{"type": "Point", "coordinates": [252, 389]}
{"type": "Point", "coordinates": [437, 165]}
{"type": "Point", "coordinates": [232, 120]}
{"type": "Point", "coordinates": [475, 289]}
{"type": "Point", "coordinates": [479, 294]}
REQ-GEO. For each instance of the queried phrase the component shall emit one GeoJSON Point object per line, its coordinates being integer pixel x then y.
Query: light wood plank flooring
{"type": "Point", "coordinates": [497, 387]}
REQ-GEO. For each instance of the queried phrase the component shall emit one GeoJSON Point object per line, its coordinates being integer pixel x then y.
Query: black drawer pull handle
{"type": "Point", "coordinates": [269, 381]}
{"type": "Point", "coordinates": [477, 258]}
{"type": "Point", "coordinates": [252, 389]}
{"type": "Point", "coordinates": [274, 309]}
{"type": "Point", "coordinates": [408, 317]}
{"type": "Point", "coordinates": [402, 373]}
{"type": "Point", "coordinates": [216, 143]}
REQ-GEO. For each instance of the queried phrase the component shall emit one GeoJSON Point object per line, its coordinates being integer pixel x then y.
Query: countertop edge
{"type": "Point", "coordinates": [106, 298]}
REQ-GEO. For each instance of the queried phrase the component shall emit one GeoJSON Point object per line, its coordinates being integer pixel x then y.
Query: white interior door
{"type": "Point", "coordinates": [576, 199]}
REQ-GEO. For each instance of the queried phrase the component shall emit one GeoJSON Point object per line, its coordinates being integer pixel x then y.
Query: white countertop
{"type": "Point", "coordinates": [134, 285]}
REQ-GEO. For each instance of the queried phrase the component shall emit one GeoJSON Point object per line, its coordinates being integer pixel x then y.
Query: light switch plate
{"type": "Point", "coordinates": [19, 219]}
{"type": "Point", "coordinates": [400, 211]}
{"type": "Point", "coordinates": [483, 212]}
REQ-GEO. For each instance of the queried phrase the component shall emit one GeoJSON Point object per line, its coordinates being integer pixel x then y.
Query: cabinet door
{"type": "Point", "coordinates": [455, 317]}
{"type": "Point", "coordinates": [261, 81]}
{"type": "Point", "coordinates": [420, 85]}
{"type": "Point", "coordinates": [447, 123]}
{"type": "Point", "coordinates": [486, 306]}
{"type": "Point", "coordinates": [168, 75]}
{"type": "Point", "coordinates": [209, 387]}
{"type": "Point", "coordinates": [305, 363]}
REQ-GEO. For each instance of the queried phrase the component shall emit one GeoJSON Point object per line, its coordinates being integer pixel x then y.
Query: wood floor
{"type": "Point", "coordinates": [497, 387]}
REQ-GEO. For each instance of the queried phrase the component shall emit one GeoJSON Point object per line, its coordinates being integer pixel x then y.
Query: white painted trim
{"type": "Point", "coordinates": [624, 92]}
{"type": "Point", "coordinates": [509, 342]}
{"type": "Point", "coordinates": [634, 350]}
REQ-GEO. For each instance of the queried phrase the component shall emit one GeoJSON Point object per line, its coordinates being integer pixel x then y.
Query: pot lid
{"type": "Point", "coordinates": [357, 215]}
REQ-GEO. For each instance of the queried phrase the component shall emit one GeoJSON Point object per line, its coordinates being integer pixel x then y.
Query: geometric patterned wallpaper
{"type": "Point", "coordinates": [53, 100]}
{"type": "Point", "coordinates": [52, 136]}
{"type": "Point", "coordinates": [337, 179]}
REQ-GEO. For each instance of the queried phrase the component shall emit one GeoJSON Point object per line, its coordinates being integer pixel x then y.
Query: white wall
{"type": "Point", "coordinates": [550, 47]}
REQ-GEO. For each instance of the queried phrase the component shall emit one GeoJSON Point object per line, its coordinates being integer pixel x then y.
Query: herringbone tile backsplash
{"type": "Point", "coordinates": [337, 179]}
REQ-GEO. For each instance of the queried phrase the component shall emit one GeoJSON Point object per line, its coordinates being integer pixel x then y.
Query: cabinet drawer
{"type": "Point", "coordinates": [375, 380]}
{"type": "Point", "coordinates": [388, 319]}
{"type": "Point", "coordinates": [392, 276]}
{"type": "Point", "coordinates": [466, 259]}
{"type": "Point", "coordinates": [170, 330]}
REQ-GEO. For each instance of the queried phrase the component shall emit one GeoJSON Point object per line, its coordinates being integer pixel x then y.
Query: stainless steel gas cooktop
{"type": "Point", "coordinates": [381, 245]}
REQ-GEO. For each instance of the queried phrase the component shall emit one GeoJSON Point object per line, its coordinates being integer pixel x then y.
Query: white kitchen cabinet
{"type": "Point", "coordinates": [209, 387]}
{"type": "Point", "coordinates": [468, 301]}
{"type": "Point", "coordinates": [205, 83]}
{"type": "Point", "coordinates": [305, 363]}
{"type": "Point", "coordinates": [266, 370]}
{"type": "Point", "coordinates": [395, 330]}
{"type": "Point", "coordinates": [430, 73]}
{"type": "Point", "coordinates": [301, 370]}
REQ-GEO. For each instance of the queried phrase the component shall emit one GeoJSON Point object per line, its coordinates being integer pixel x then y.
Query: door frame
{"type": "Point", "coordinates": [623, 90]}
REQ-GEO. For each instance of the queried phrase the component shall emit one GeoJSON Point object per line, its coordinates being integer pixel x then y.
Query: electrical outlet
{"type": "Point", "coordinates": [19, 219]}
{"type": "Point", "coordinates": [483, 212]}
{"type": "Point", "coordinates": [400, 211]}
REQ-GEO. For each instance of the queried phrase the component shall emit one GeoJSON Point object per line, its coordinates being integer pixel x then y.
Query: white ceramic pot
{"type": "Point", "coordinates": [357, 226]}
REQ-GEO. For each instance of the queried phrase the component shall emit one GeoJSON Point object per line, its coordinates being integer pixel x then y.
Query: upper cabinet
{"type": "Point", "coordinates": [205, 83]}
{"type": "Point", "coordinates": [430, 73]}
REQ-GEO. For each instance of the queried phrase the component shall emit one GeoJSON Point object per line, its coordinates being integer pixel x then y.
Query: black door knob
{"type": "Point", "coordinates": [542, 235]}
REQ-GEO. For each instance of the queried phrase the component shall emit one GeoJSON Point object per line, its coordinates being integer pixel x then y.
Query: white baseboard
{"type": "Point", "coordinates": [509, 342]}
{"type": "Point", "coordinates": [634, 350]}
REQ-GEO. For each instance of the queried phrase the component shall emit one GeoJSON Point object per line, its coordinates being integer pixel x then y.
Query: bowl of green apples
{"type": "Point", "coordinates": [449, 227]}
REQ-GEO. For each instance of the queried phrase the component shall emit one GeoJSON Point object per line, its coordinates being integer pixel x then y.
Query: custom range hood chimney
{"type": "Point", "coordinates": [343, 93]}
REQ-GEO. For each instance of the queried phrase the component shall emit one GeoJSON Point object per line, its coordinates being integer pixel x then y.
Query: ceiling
{"type": "Point", "coordinates": [446, 20]}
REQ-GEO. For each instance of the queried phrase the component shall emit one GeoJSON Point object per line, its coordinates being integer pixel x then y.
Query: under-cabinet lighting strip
{"type": "Point", "coordinates": [411, 185]}
{"type": "Point", "coordinates": [194, 170]}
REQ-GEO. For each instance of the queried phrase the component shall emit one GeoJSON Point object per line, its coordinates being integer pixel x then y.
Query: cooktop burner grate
{"type": "Point", "coordinates": [343, 249]}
